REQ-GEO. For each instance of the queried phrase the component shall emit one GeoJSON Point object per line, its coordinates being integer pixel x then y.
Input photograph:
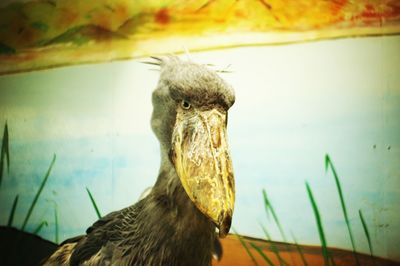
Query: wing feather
{"type": "Point", "coordinates": [104, 232]}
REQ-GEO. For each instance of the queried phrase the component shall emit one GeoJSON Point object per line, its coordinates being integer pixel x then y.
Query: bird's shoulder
{"type": "Point", "coordinates": [105, 232]}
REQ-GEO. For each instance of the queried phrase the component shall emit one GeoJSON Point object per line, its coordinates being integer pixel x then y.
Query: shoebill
{"type": "Point", "coordinates": [175, 224]}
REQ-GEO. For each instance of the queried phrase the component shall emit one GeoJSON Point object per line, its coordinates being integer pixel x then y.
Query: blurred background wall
{"type": "Point", "coordinates": [295, 104]}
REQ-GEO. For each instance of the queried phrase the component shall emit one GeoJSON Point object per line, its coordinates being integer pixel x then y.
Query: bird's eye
{"type": "Point", "coordinates": [185, 105]}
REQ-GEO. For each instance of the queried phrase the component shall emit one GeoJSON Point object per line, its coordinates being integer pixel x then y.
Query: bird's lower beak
{"type": "Point", "coordinates": [201, 157]}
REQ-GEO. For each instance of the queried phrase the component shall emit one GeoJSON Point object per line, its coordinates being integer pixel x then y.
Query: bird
{"type": "Point", "coordinates": [192, 201]}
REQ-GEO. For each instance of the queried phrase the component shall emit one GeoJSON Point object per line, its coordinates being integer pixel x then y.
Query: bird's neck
{"type": "Point", "coordinates": [187, 229]}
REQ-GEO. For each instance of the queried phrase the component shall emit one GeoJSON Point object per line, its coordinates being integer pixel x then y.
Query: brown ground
{"type": "Point", "coordinates": [235, 254]}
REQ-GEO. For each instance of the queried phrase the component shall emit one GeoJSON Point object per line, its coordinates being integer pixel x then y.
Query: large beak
{"type": "Point", "coordinates": [201, 157]}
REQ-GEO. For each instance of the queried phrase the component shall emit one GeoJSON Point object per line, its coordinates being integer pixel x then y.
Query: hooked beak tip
{"type": "Point", "coordinates": [225, 221]}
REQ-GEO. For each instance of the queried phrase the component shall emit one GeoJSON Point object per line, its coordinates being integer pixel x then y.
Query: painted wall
{"type": "Point", "coordinates": [295, 103]}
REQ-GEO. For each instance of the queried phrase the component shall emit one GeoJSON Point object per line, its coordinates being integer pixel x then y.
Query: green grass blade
{"type": "Point", "coordinates": [300, 250]}
{"type": "Point", "coordinates": [245, 247]}
{"type": "Point", "coordinates": [262, 254]}
{"type": "Point", "coordinates": [1, 162]}
{"type": "Point", "coordinates": [267, 235]}
{"type": "Point", "coordinates": [366, 231]}
{"type": "Point", "coordinates": [274, 249]}
{"type": "Point", "coordinates": [93, 203]}
{"type": "Point", "coordinates": [40, 226]}
{"type": "Point", "coordinates": [266, 203]}
{"type": "Point", "coordinates": [7, 146]}
{"type": "Point", "coordinates": [12, 213]}
{"type": "Point", "coordinates": [28, 215]}
{"type": "Point", "coordinates": [328, 163]}
{"type": "Point", "coordinates": [56, 224]}
{"type": "Point", "coordinates": [319, 225]}
{"type": "Point", "coordinates": [5, 153]}
{"type": "Point", "coordinates": [268, 206]}
{"type": "Point", "coordinates": [332, 260]}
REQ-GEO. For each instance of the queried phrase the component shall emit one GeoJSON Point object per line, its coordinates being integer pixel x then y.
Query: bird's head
{"type": "Point", "coordinates": [190, 115]}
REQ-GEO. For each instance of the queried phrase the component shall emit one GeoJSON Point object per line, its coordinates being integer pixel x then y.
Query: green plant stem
{"type": "Point", "coordinates": [328, 163]}
{"type": "Point", "coordinates": [332, 260]}
{"type": "Point", "coordinates": [319, 225]}
{"type": "Point", "coordinates": [262, 254]}
{"type": "Point", "coordinates": [299, 249]}
{"type": "Point", "coordinates": [245, 247]}
{"type": "Point", "coordinates": [12, 213]}
{"type": "Point", "coordinates": [93, 203]}
{"type": "Point", "coordinates": [5, 153]}
{"type": "Point", "coordinates": [366, 231]}
{"type": "Point", "coordinates": [268, 206]}
{"type": "Point", "coordinates": [274, 249]}
{"type": "Point", "coordinates": [38, 193]}
{"type": "Point", "coordinates": [40, 226]}
{"type": "Point", "coordinates": [56, 224]}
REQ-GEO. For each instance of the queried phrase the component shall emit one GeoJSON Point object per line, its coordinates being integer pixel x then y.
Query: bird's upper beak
{"type": "Point", "coordinates": [201, 157]}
